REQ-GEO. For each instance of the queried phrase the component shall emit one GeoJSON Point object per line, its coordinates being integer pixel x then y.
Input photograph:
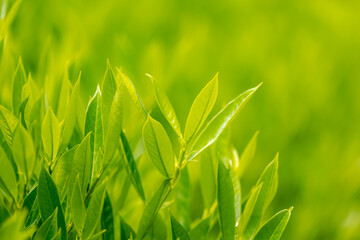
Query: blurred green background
{"type": "Point", "coordinates": [306, 52]}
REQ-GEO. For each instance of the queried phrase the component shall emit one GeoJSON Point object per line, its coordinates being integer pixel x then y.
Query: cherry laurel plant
{"type": "Point", "coordinates": [110, 170]}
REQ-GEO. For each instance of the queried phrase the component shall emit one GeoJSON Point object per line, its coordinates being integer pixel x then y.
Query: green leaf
{"type": "Point", "coordinates": [246, 156]}
{"type": "Point", "coordinates": [131, 167]}
{"type": "Point", "coordinates": [70, 118]}
{"type": "Point", "coordinates": [152, 208]}
{"type": "Point", "coordinates": [182, 194]}
{"type": "Point", "coordinates": [23, 151]}
{"type": "Point", "coordinates": [8, 123]}
{"type": "Point", "coordinates": [269, 181]}
{"type": "Point", "coordinates": [237, 194]}
{"type": "Point", "coordinates": [62, 170]}
{"type": "Point", "coordinates": [178, 231]}
{"type": "Point", "coordinates": [32, 207]}
{"type": "Point", "coordinates": [201, 230]}
{"type": "Point", "coordinates": [218, 123]}
{"type": "Point", "coordinates": [49, 200]}
{"type": "Point", "coordinates": [93, 125]}
{"type": "Point", "coordinates": [249, 209]}
{"type": "Point", "coordinates": [126, 232]}
{"type": "Point", "coordinates": [77, 206]}
{"type": "Point", "coordinates": [166, 107]}
{"type": "Point", "coordinates": [93, 212]}
{"type": "Point", "coordinates": [19, 81]}
{"type": "Point", "coordinates": [8, 175]}
{"type": "Point", "coordinates": [208, 179]}
{"type": "Point", "coordinates": [201, 108]}
{"type": "Point", "coordinates": [157, 229]}
{"type": "Point", "coordinates": [226, 205]}
{"type": "Point", "coordinates": [158, 147]}
{"type": "Point", "coordinates": [4, 213]}
{"type": "Point", "coordinates": [81, 166]}
{"type": "Point", "coordinates": [275, 226]}
{"type": "Point", "coordinates": [107, 219]}
{"type": "Point", "coordinates": [115, 125]}
{"type": "Point", "coordinates": [108, 90]}
{"type": "Point", "coordinates": [48, 229]}
{"type": "Point", "coordinates": [50, 134]}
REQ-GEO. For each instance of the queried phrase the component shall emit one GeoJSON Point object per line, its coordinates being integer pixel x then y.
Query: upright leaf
{"type": "Point", "coordinates": [126, 232]}
{"type": "Point", "coordinates": [182, 194]}
{"type": "Point", "coordinates": [131, 167]}
{"type": "Point", "coordinates": [201, 230]}
{"type": "Point", "coordinates": [8, 123]}
{"type": "Point", "coordinates": [93, 212]}
{"type": "Point", "coordinates": [208, 179]}
{"type": "Point", "coordinates": [226, 205]}
{"type": "Point", "coordinates": [50, 134]}
{"type": "Point", "coordinates": [70, 118]}
{"type": "Point", "coordinates": [157, 229]}
{"type": "Point", "coordinates": [78, 207]}
{"type": "Point", "coordinates": [19, 81]}
{"type": "Point", "coordinates": [178, 231]}
{"type": "Point", "coordinates": [201, 108]}
{"type": "Point", "coordinates": [48, 229]}
{"type": "Point", "coordinates": [7, 174]}
{"type": "Point", "coordinates": [81, 166]}
{"type": "Point", "coordinates": [23, 151]}
{"type": "Point", "coordinates": [49, 201]}
{"type": "Point", "coordinates": [269, 183]}
{"type": "Point", "coordinates": [93, 125]}
{"type": "Point", "coordinates": [166, 107]}
{"type": "Point", "coordinates": [246, 156]}
{"type": "Point", "coordinates": [218, 123]}
{"type": "Point", "coordinates": [152, 208]}
{"type": "Point", "coordinates": [158, 147]}
{"type": "Point", "coordinates": [275, 226]}
{"type": "Point", "coordinates": [115, 125]}
{"type": "Point", "coordinates": [107, 219]}
{"type": "Point", "coordinates": [108, 90]}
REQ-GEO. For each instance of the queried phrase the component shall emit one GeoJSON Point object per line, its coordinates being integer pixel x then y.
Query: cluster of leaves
{"type": "Point", "coordinates": [99, 173]}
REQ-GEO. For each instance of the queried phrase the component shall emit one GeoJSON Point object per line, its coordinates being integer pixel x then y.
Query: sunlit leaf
{"type": "Point", "coordinates": [166, 107]}
{"type": "Point", "coordinates": [182, 193]}
{"type": "Point", "coordinates": [246, 156]}
{"type": "Point", "coordinates": [217, 124]}
{"type": "Point", "coordinates": [19, 81]}
{"type": "Point", "coordinates": [7, 174]}
{"type": "Point", "coordinates": [50, 134]}
{"type": "Point", "coordinates": [275, 226]}
{"type": "Point", "coordinates": [158, 147]}
{"type": "Point", "coordinates": [201, 108]}
{"type": "Point", "coordinates": [12, 228]}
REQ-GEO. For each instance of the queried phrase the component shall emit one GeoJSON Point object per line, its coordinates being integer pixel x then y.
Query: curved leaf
{"type": "Point", "coordinates": [217, 124]}
{"type": "Point", "coordinates": [48, 229]}
{"type": "Point", "coordinates": [226, 205]}
{"type": "Point", "coordinates": [158, 147]}
{"type": "Point", "coordinates": [107, 219]}
{"type": "Point", "coordinates": [77, 206]}
{"type": "Point", "coordinates": [201, 108]}
{"type": "Point", "coordinates": [8, 175]}
{"type": "Point", "coordinates": [275, 226]}
{"type": "Point", "coordinates": [166, 107]}
{"type": "Point", "coordinates": [8, 123]}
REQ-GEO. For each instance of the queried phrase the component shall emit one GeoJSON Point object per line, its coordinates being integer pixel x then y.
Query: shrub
{"type": "Point", "coordinates": [111, 171]}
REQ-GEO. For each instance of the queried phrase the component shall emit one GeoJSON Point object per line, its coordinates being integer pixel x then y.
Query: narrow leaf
{"type": "Point", "coordinates": [49, 200]}
{"type": "Point", "coordinates": [246, 156]}
{"type": "Point", "coordinates": [201, 108]}
{"type": "Point", "coordinates": [107, 219]}
{"type": "Point", "coordinates": [7, 174]}
{"type": "Point", "coordinates": [182, 193]}
{"type": "Point", "coordinates": [152, 208]}
{"type": "Point", "coordinates": [48, 229]}
{"type": "Point", "coordinates": [275, 226]}
{"type": "Point", "coordinates": [178, 231]}
{"type": "Point", "coordinates": [218, 123]}
{"type": "Point", "coordinates": [77, 206]}
{"type": "Point", "coordinates": [166, 107]}
{"type": "Point", "coordinates": [93, 212]}
{"type": "Point", "coordinates": [131, 167]}
{"type": "Point", "coordinates": [158, 147]}
{"type": "Point", "coordinates": [19, 81]}
{"type": "Point", "coordinates": [126, 232]}
{"type": "Point", "coordinates": [201, 230]}
{"type": "Point", "coordinates": [226, 205]}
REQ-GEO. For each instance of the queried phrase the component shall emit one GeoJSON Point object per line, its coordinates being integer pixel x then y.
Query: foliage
{"type": "Point", "coordinates": [88, 173]}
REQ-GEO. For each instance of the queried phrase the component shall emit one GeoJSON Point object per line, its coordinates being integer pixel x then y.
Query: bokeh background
{"type": "Point", "coordinates": [306, 52]}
